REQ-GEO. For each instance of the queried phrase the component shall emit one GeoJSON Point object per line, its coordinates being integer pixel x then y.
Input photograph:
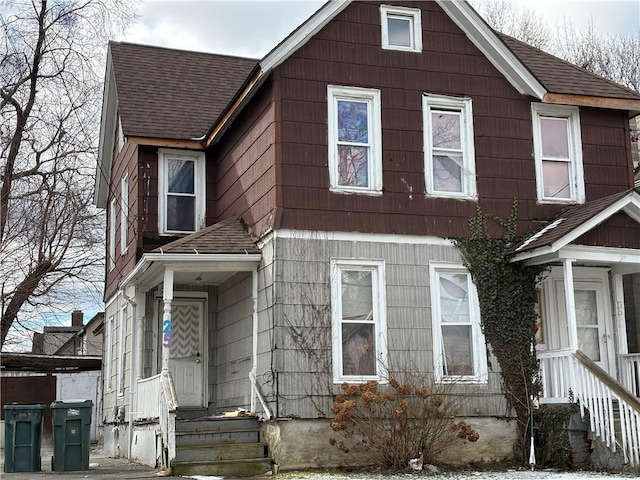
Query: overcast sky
{"type": "Point", "coordinates": [251, 28]}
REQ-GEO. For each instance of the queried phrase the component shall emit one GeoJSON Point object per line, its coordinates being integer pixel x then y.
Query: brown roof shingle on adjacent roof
{"type": "Point", "coordinates": [572, 218]}
{"type": "Point", "coordinates": [176, 94]}
{"type": "Point", "coordinates": [560, 76]}
{"type": "Point", "coordinates": [227, 237]}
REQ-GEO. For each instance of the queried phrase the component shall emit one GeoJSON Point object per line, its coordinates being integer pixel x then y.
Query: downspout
{"type": "Point", "coordinates": [254, 365]}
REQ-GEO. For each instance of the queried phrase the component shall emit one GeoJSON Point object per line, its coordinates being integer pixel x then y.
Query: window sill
{"type": "Point", "coordinates": [345, 191]}
{"type": "Point", "coordinates": [459, 196]}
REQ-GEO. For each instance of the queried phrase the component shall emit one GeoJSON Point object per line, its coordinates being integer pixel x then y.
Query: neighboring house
{"type": "Point", "coordinates": [269, 218]}
{"type": "Point", "coordinates": [51, 339]}
{"type": "Point", "coordinates": [87, 340]}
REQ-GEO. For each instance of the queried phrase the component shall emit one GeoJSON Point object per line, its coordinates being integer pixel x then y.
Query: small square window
{"type": "Point", "coordinates": [401, 28]}
{"type": "Point", "coordinates": [558, 153]}
{"type": "Point", "coordinates": [354, 137]}
{"type": "Point", "coordinates": [448, 146]}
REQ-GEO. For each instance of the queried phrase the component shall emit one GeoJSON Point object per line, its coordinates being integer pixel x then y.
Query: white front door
{"type": "Point", "coordinates": [186, 359]}
{"type": "Point", "coordinates": [593, 319]}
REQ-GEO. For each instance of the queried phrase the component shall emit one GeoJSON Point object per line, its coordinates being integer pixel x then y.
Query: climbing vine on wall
{"type": "Point", "coordinates": [507, 295]}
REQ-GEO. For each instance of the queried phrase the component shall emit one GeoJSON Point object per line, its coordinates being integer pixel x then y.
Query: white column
{"type": "Point", "coordinates": [254, 366]}
{"type": "Point", "coordinates": [166, 332]}
{"type": "Point", "coordinates": [570, 301]}
{"type": "Point", "coordinates": [140, 320]}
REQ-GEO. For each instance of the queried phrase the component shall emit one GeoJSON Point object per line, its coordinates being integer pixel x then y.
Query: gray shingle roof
{"type": "Point", "coordinates": [227, 237]}
{"type": "Point", "coordinates": [175, 94]}
{"type": "Point", "coordinates": [560, 76]}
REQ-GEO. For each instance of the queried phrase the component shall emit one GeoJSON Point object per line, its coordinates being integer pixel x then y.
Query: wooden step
{"type": "Point", "coordinates": [224, 468]}
{"type": "Point", "coordinates": [218, 452]}
{"type": "Point", "coordinates": [212, 424]}
{"type": "Point", "coordinates": [217, 437]}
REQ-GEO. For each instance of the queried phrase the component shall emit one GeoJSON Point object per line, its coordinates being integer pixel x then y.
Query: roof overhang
{"type": "Point", "coordinates": [108, 122]}
{"type": "Point", "coordinates": [633, 106]}
{"type": "Point", "coordinates": [563, 247]}
{"type": "Point", "coordinates": [49, 363]}
{"type": "Point", "coordinates": [215, 268]}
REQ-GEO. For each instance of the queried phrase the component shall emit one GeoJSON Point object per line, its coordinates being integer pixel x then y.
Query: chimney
{"type": "Point", "coordinates": [77, 318]}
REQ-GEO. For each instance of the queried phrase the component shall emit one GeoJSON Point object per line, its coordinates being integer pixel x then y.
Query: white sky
{"type": "Point", "coordinates": [253, 27]}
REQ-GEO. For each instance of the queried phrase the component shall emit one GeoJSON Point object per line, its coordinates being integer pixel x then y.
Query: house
{"type": "Point", "coordinates": [265, 214]}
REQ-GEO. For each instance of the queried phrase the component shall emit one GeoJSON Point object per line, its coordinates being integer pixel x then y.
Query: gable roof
{"type": "Point", "coordinates": [165, 93]}
{"type": "Point", "coordinates": [227, 237]}
{"type": "Point", "coordinates": [560, 76]}
{"type": "Point", "coordinates": [575, 222]}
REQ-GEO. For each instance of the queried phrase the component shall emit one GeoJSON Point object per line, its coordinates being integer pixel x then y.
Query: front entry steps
{"type": "Point", "coordinates": [220, 446]}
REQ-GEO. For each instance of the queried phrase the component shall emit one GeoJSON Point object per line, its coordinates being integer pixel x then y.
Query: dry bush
{"type": "Point", "coordinates": [386, 426]}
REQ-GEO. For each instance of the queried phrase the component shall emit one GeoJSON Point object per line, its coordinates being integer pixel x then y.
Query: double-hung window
{"type": "Point", "coordinates": [458, 343]}
{"type": "Point", "coordinates": [355, 140]}
{"type": "Point", "coordinates": [112, 234]}
{"type": "Point", "coordinates": [401, 28]}
{"type": "Point", "coordinates": [558, 153]}
{"type": "Point", "coordinates": [181, 182]}
{"type": "Point", "coordinates": [124, 214]}
{"type": "Point", "coordinates": [358, 319]}
{"type": "Point", "coordinates": [448, 147]}
{"type": "Point", "coordinates": [122, 350]}
{"type": "Point", "coordinates": [109, 346]}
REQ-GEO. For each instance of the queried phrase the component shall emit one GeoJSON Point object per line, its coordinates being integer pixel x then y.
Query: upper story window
{"type": "Point", "coordinates": [448, 146]}
{"type": "Point", "coordinates": [358, 319]}
{"type": "Point", "coordinates": [458, 343]}
{"type": "Point", "coordinates": [124, 215]}
{"type": "Point", "coordinates": [401, 28]}
{"type": "Point", "coordinates": [181, 191]}
{"type": "Point", "coordinates": [355, 140]}
{"type": "Point", "coordinates": [557, 146]}
{"type": "Point", "coordinates": [112, 234]}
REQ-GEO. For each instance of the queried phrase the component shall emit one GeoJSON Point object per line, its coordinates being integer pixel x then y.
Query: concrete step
{"type": "Point", "coordinates": [212, 424]}
{"type": "Point", "coordinates": [225, 468]}
{"type": "Point", "coordinates": [217, 437]}
{"type": "Point", "coordinates": [208, 453]}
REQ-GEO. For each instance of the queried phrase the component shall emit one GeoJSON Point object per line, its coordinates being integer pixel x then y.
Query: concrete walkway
{"type": "Point", "coordinates": [100, 467]}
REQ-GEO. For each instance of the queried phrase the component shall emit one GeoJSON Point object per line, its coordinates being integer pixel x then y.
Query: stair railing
{"type": "Point", "coordinates": [630, 372]}
{"type": "Point", "coordinates": [168, 407]}
{"type": "Point", "coordinates": [567, 373]}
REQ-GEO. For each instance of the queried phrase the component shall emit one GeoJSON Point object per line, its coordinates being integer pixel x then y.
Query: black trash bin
{"type": "Point", "coordinates": [22, 437]}
{"type": "Point", "coordinates": [71, 435]}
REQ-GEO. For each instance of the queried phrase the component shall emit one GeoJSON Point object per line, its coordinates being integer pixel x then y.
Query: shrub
{"type": "Point", "coordinates": [386, 426]}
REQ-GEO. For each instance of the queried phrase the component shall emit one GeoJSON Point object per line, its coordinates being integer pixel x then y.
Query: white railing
{"type": "Point", "coordinates": [567, 373]}
{"type": "Point", "coordinates": [255, 389]}
{"type": "Point", "coordinates": [630, 372]}
{"type": "Point", "coordinates": [148, 402]}
{"type": "Point", "coordinates": [168, 407]}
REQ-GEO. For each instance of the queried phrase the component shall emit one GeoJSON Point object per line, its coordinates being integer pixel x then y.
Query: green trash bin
{"type": "Point", "coordinates": [71, 435]}
{"type": "Point", "coordinates": [22, 437]}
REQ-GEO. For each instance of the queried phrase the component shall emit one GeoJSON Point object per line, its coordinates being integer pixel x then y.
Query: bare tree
{"type": "Point", "coordinates": [51, 239]}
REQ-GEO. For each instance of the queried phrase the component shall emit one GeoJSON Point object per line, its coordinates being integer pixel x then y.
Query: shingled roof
{"type": "Point", "coordinates": [174, 94]}
{"type": "Point", "coordinates": [560, 76]}
{"type": "Point", "coordinates": [568, 221]}
{"type": "Point", "coordinates": [227, 237]}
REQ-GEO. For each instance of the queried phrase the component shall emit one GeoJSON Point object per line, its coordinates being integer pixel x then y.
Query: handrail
{"type": "Point", "coordinates": [169, 405]}
{"type": "Point", "coordinates": [256, 389]}
{"type": "Point", "coordinates": [148, 397]}
{"type": "Point", "coordinates": [570, 372]}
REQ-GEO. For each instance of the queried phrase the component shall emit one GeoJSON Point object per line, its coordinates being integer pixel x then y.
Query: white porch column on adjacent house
{"type": "Point", "coordinates": [167, 324]}
{"type": "Point", "coordinates": [254, 298]}
{"type": "Point", "coordinates": [570, 301]}
{"type": "Point", "coordinates": [141, 301]}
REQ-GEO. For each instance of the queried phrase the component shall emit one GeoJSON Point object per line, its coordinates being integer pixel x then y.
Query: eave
{"type": "Point", "coordinates": [633, 106]}
{"type": "Point", "coordinates": [107, 135]}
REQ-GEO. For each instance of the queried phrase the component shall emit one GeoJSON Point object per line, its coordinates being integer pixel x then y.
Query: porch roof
{"type": "Point", "coordinates": [208, 256]}
{"type": "Point", "coordinates": [565, 236]}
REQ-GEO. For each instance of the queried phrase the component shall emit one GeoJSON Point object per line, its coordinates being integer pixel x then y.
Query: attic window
{"type": "Point", "coordinates": [401, 28]}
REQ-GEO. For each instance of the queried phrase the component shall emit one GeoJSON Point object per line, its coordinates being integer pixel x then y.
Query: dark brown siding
{"type": "Point", "coordinates": [347, 52]}
{"type": "Point", "coordinates": [125, 160]}
{"type": "Point", "coordinates": [618, 231]}
{"type": "Point", "coordinates": [244, 168]}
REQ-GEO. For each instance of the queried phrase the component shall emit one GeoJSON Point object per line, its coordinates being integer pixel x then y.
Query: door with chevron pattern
{"type": "Point", "coordinates": [186, 355]}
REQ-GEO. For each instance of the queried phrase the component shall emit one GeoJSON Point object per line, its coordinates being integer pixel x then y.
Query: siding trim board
{"type": "Point", "coordinates": [360, 237]}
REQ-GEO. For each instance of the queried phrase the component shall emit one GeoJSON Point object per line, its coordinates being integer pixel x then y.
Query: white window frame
{"type": "Point", "coordinates": [374, 168]}
{"type": "Point", "coordinates": [164, 154]}
{"type": "Point", "coordinates": [462, 105]}
{"type": "Point", "coordinates": [121, 138]}
{"type": "Point", "coordinates": [480, 374]}
{"type": "Point", "coordinates": [576, 173]}
{"type": "Point", "coordinates": [377, 267]}
{"type": "Point", "coordinates": [112, 234]}
{"type": "Point", "coordinates": [124, 214]}
{"type": "Point", "coordinates": [122, 350]}
{"type": "Point", "coordinates": [415, 27]}
{"type": "Point", "coordinates": [108, 353]}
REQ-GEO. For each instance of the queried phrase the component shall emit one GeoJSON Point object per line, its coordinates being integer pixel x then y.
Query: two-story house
{"type": "Point", "coordinates": [277, 227]}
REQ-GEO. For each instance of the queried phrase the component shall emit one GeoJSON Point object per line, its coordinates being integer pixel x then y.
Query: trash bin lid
{"type": "Point", "coordinates": [23, 406]}
{"type": "Point", "coordinates": [71, 403]}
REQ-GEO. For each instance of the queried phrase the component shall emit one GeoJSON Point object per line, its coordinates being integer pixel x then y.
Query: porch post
{"type": "Point", "coordinates": [140, 322]}
{"type": "Point", "coordinates": [167, 325]}
{"type": "Point", "coordinates": [254, 366]}
{"type": "Point", "coordinates": [570, 301]}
